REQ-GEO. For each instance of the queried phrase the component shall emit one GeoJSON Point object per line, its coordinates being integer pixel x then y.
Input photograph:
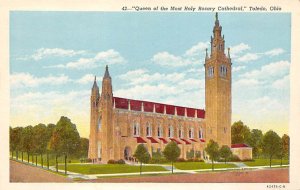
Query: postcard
{"type": "Point", "coordinates": [149, 94]}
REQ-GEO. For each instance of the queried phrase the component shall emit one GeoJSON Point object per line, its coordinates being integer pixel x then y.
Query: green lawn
{"type": "Point", "coordinates": [265, 162]}
{"type": "Point", "coordinates": [200, 165]}
{"type": "Point", "coordinates": [109, 168]}
{"type": "Point", "coordinates": [60, 160]}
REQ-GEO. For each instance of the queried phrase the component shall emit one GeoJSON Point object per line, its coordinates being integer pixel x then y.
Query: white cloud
{"type": "Point", "coordinates": [108, 57]}
{"type": "Point", "coordinates": [18, 80]}
{"type": "Point", "coordinates": [244, 82]}
{"type": "Point", "coordinates": [234, 50]}
{"type": "Point", "coordinates": [238, 68]}
{"type": "Point", "coordinates": [282, 83]}
{"type": "Point", "coordinates": [86, 79]}
{"type": "Point", "coordinates": [275, 52]}
{"type": "Point", "coordinates": [193, 56]}
{"type": "Point", "coordinates": [198, 49]}
{"type": "Point", "coordinates": [264, 105]}
{"type": "Point", "coordinates": [248, 57]}
{"type": "Point", "coordinates": [140, 76]}
{"type": "Point", "coordinates": [273, 69]}
{"type": "Point", "coordinates": [167, 59]}
{"type": "Point", "coordinates": [52, 52]}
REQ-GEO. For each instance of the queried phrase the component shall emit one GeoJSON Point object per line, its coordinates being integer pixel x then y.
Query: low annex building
{"type": "Point", "coordinates": [118, 125]}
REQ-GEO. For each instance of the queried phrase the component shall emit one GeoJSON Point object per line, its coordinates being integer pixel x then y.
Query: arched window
{"type": "Point", "coordinates": [170, 132]}
{"type": "Point", "coordinates": [180, 132]}
{"type": "Point", "coordinates": [200, 133]}
{"type": "Point", "coordinates": [148, 130]}
{"type": "Point", "coordinates": [159, 131]}
{"type": "Point", "coordinates": [136, 129]}
{"type": "Point", "coordinates": [191, 133]}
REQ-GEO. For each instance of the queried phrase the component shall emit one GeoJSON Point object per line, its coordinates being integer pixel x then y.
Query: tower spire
{"type": "Point", "coordinates": [95, 83]}
{"type": "Point", "coordinates": [217, 19]}
{"type": "Point", "coordinates": [106, 74]}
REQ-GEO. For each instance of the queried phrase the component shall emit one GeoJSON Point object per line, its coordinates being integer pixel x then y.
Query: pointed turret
{"type": "Point", "coordinates": [217, 41]}
{"type": "Point", "coordinates": [106, 74]}
{"type": "Point", "coordinates": [217, 20]}
{"type": "Point", "coordinates": [95, 83]}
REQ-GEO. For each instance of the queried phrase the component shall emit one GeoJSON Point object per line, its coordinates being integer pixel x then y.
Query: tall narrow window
{"type": "Point", "coordinates": [148, 130]}
{"type": "Point", "coordinates": [159, 131]}
{"type": "Point", "coordinates": [136, 130]}
{"type": "Point", "coordinates": [170, 131]}
{"type": "Point", "coordinates": [200, 133]}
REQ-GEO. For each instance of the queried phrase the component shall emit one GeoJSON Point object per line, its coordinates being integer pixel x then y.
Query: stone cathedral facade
{"type": "Point", "coordinates": [118, 125]}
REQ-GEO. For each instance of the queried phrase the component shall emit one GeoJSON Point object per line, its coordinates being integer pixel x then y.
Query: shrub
{"type": "Point", "coordinates": [198, 160]}
{"type": "Point", "coordinates": [234, 158]}
{"type": "Point", "coordinates": [181, 160]}
{"type": "Point", "coordinates": [88, 160]}
{"type": "Point", "coordinates": [120, 161]}
{"type": "Point", "coordinates": [111, 162]}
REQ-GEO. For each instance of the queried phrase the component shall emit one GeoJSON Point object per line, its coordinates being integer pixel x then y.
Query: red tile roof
{"type": "Point", "coordinates": [140, 140]}
{"type": "Point", "coordinates": [172, 139]}
{"type": "Point", "coordinates": [163, 140]}
{"type": "Point", "coordinates": [240, 145]}
{"type": "Point", "coordinates": [152, 140]}
{"type": "Point", "coordinates": [136, 105]}
{"type": "Point", "coordinates": [186, 142]}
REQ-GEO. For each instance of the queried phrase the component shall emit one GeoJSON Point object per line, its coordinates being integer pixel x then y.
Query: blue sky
{"type": "Point", "coordinates": [151, 56]}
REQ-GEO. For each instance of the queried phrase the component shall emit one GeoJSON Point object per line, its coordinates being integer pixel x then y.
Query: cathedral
{"type": "Point", "coordinates": [118, 125]}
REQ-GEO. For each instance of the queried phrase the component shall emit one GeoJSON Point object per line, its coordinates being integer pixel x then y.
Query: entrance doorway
{"type": "Point", "coordinates": [127, 153]}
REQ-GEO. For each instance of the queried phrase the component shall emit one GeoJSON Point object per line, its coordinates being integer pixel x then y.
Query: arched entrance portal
{"type": "Point", "coordinates": [127, 153]}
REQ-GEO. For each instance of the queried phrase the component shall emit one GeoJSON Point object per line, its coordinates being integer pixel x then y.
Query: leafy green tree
{"type": "Point", "coordinates": [84, 147]}
{"type": "Point", "coordinates": [15, 138]}
{"type": "Point", "coordinates": [271, 144]}
{"type": "Point", "coordinates": [27, 140]}
{"type": "Point", "coordinates": [255, 141]}
{"type": "Point", "coordinates": [212, 149]}
{"type": "Point", "coordinates": [240, 133]}
{"type": "Point", "coordinates": [285, 147]}
{"type": "Point", "coordinates": [41, 139]}
{"type": "Point", "coordinates": [65, 139]}
{"type": "Point", "coordinates": [225, 152]}
{"type": "Point", "coordinates": [142, 155]}
{"type": "Point", "coordinates": [171, 152]}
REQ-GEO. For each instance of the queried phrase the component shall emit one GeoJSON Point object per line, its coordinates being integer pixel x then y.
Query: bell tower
{"type": "Point", "coordinates": [218, 89]}
{"type": "Point", "coordinates": [106, 117]}
{"type": "Point", "coordinates": [95, 98]}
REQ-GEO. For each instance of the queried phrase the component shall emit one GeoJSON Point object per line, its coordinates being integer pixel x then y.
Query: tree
{"type": "Point", "coordinates": [40, 139]}
{"type": "Point", "coordinates": [255, 141]}
{"type": "Point", "coordinates": [171, 152]}
{"type": "Point", "coordinates": [65, 139]}
{"type": "Point", "coordinates": [15, 138]}
{"type": "Point", "coordinates": [271, 144]}
{"type": "Point", "coordinates": [142, 154]}
{"type": "Point", "coordinates": [84, 147]}
{"type": "Point", "coordinates": [285, 147]}
{"type": "Point", "coordinates": [212, 149]}
{"type": "Point", "coordinates": [225, 152]}
{"type": "Point", "coordinates": [27, 140]}
{"type": "Point", "coordinates": [240, 133]}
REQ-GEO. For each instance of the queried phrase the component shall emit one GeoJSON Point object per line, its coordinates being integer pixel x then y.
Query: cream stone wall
{"type": "Point", "coordinates": [244, 153]}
